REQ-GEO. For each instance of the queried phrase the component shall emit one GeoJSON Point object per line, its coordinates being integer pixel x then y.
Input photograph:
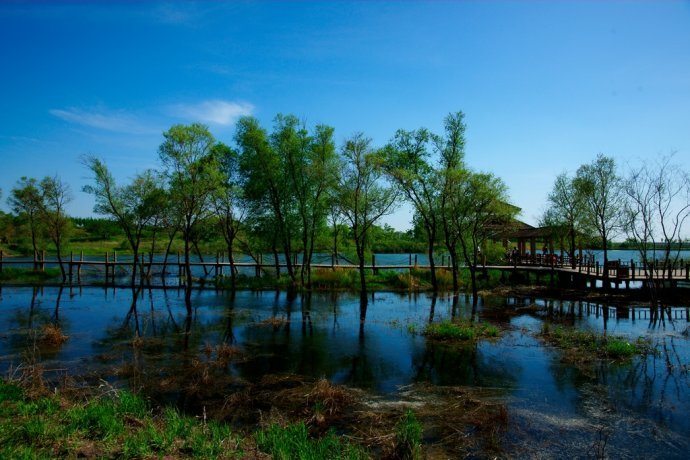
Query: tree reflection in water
{"type": "Point", "coordinates": [168, 347]}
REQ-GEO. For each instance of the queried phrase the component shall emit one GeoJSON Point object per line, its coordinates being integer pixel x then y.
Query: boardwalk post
{"type": "Point", "coordinates": [415, 260]}
{"type": "Point", "coordinates": [71, 265]}
{"type": "Point", "coordinates": [43, 260]}
{"type": "Point", "coordinates": [179, 270]}
{"type": "Point", "coordinates": [81, 260]}
{"type": "Point", "coordinates": [687, 273]}
{"type": "Point", "coordinates": [373, 263]}
{"type": "Point", "coordinates": [106, 268]}
{"type": "Point", "coordinates": [632, 269]}
{"type": "Point", "coordinates": [1, 255]}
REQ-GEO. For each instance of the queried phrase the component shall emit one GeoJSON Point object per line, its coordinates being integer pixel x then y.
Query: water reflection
{"type": "Point", "coordinates": [210, 344]}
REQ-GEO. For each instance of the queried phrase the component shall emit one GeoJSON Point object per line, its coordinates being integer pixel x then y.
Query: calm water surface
{"type": "Point", "coordinates": [625, 410]}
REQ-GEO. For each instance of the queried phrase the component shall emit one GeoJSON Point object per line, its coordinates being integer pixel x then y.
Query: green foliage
{"type": "Point", "coordinates": [617, 348]}
{"type": "Point", "coordinates": [589, 344]}
{"type": "Point", "coordinates": [10, 392]}
{"type": "Point", "coordinates": [122, 427]}
{"type": "Point", "coordinates": [408, 437]}
{"type": "Point", "coordinates": [97, 420]}
{"type": "Point", "coordinates": [449, 330]}
{"type": "Point", "coordinates": [29, 276]}
{"type": "Point", "coordinates": [293, 441]}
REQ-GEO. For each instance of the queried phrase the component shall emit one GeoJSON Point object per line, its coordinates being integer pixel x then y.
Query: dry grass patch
{"type": "Point", "coordinates": [52, 335]}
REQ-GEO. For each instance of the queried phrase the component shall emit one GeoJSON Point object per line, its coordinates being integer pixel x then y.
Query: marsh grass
{"type": "Point", "coordinates": [281, 416]}
{"type": "Point", "coordinates": [460, 330]}
{"type": "Point", "coordinates": [408, 437]}
{"type": "Point", "coordinates": [582, 345]}
{"type": "Point", "coordinates": [293, 441]}
{"type": "Point", "coordinates": [51, 335]}
{"type": "Point", "coordinates": [119, 424]}
{"type": "Point", "coordinates": [116, 425]}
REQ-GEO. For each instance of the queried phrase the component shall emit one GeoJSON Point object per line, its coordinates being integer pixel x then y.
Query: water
{"type": "Point", "coordinates": [623, 410]}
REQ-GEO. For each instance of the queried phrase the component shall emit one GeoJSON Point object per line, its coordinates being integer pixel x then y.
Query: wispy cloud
{"type": "Point", "coordinates": [217, 112]}
{"type": "Point", "coordinates": [178, 13]}
{"type": "Point", "coordinates": [120, 122]}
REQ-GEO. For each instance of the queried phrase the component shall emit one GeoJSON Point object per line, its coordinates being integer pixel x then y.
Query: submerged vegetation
{"type": "Point", "coordinates": [582, 345]}
{"type": "Point", "coordinates": [465, 330]}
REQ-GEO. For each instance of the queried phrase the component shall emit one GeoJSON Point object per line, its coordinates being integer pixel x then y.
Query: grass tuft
{"type": "Point", "coordinates": [52, 335]}
{"type": "Point", "coordinates": [293, 441]}
{"type": "Point", "coordinates": [408, 438]}
{"type": "Point", "coordinates": [584, 345]}
{"type": "Point", "coordinates": [449, 330]}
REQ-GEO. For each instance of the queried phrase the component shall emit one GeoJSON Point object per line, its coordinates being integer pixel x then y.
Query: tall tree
{"type": "Point", "coordinates": [599, 186]}
{"type": "Point", "coordinates": [363, 199]}
{"type": "Point", "coordinates": [656, 209]}
{"type": "Point", "coordinates": [321, 174]}
{"type": "Point", "coordinates": [228, 202]}
{"type": "Point", "coordinates": [565, 212]}
{"type": "Point", "coordinates": [477, 208]}
{"type": "Point", "coordinates": [291, 143]}
{"type": "Point", "coordinates": [407, 162]}
{"type": "Point", "coordinates": [451, 150]}
{"type": "Point", "coordinates": [26, 201]}
{"type": "Point", "coordinates": [55, 195]}
{"type": "Point", "coordinates": [134, 207]}
{"type": "Point", "coordinates": [265, 182]}
{"type": "Point", "coordinates": [187, 153]}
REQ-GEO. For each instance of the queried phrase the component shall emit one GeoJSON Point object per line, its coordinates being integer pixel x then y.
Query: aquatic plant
{"type": "Point", "coordinates": [583, 345]}
{"type": "Point", "coordinates": [408, 437]}
{"type": "Point", "coordinates": [52, 335]}
{"type": "Point", "coordinates": [450, 330]}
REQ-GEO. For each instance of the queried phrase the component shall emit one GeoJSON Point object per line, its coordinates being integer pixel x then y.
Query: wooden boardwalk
{"type": "Point", "coordinates": [619, 273]}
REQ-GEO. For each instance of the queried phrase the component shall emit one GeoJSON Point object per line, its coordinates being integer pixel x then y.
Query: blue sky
{"type": "Point", "coordinates": [545, 86]}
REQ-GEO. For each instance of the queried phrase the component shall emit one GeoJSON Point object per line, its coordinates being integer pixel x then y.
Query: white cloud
{"type": "Point", "coordinates": [215, 112]}
{"type": "Point", "coordinates": [120, 122]}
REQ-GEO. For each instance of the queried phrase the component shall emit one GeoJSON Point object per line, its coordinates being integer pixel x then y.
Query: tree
{"type": "Point", "coordinates": [133, 207]}
{"type": "Point", "coordinates": [55, 195]}
{"type": "Point", "coordinates": [477, 208]}
{"type": "Point", "coordinates": [657, 206]}
{"type": "Point", "coordinates": [265, 185]}
{"type": "Point", "coordinates": [451, 149]}
{"type": "Point", "coordinates": [407, 162]}
{"type": "Point", "coordinates": [363, 200]}
{"type": "Point", "coordinates": [565, 212]}
{"type": "Point", "coordinates": [320, 176]}
{"type": "Point", "coordinates": [187, 153]}
{"type": "Point", "coordinates": [601, 191]}
{"type": "Point", "coordinates": [228, 202]}
{"type": "Point", "coordinates": [26, 201]}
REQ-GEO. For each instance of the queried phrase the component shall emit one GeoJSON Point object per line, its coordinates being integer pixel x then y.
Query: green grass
{"type": "Point", "coordinates": [464, 330]}
{"type": "Point", "coordinates": [408, 437]}
{"type": "Point", "coordinates": [588, 344]}
{"type": "Point", "coordinates": [123, 425]}
{"type": "Point", "coordinates": [294, 442]}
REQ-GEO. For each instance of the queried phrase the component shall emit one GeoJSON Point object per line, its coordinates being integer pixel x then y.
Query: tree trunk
{"type": "Point", "coordinates": [432, 262]}
{"type": "Point", "coordinates": [362, 277]}
{"type": "Point", "coordinates": [188, 274]}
